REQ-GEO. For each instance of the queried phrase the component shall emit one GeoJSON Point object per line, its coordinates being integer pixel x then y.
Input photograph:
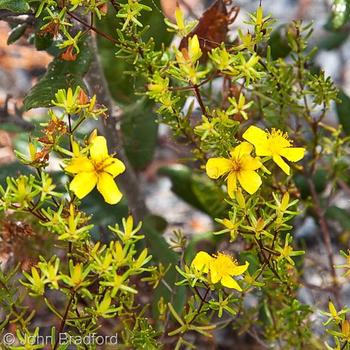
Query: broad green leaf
{"type": "Point", "coordinates": [279, 43]}
{"type": "Point", "coordinates": [339, 15]}
{"type": "Point", "coordinates": [140, 131]}
{"type": "Point", "coordinates": [13, 169]}
{"type": "Point", "coordinates": [254, 263]}
{"type": "Point", "coordinates": [194, 241]}
{"type": "Point", "coordinates": [340, 215]}
{"type": "Point", "coordinates": [196, 190]}
{"type": "Point", "coordinates": [265, 314]}
{"type": "Point", "coordinates": [319, 179]}
{"type": "Point", "coordinates": [60, 75]}
{"type": "Point", "coordinates": [162, 253]}
{"type": "Point", "coordinates": [16, 33]}
{"type": "Point", "coordinates": [343, 111]}
{"type": "Point", "coordinates": [103, 214]}
{"type": "Point", "coordinates": [43, 41]}
{"type": "Point", "coordinates": [18, 6]}
{"type": "Point", "coordinates": [122, 85]}
{"type": "Point", "coordinates": [333, 40]}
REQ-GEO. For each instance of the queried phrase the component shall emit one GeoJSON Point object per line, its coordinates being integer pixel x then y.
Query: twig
{"type": "Point", "coordinates": [129, 181]}
{"type": "Point", "coordinates": [326, 238]}
{"type": "Point", "coordinates": [199, 99]}
{"type": "Point", "coordinates": [64, 320]}
{"type": "Point", "coordinates": [94, 29]}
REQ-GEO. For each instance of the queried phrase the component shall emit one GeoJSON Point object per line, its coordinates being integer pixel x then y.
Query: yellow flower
{"type": "Point", "coordinates": [99, 169]}
{"type": "Point", "coordinates": [239, 107]}
{"type": "Point", "coordinates": [220, 268]}
{"type": "Point", "coordinates": [240, 166]}
{"type": "Point", "coordinates": [201, 262]}
{"type": "Point", "coordinates": [275, 144]}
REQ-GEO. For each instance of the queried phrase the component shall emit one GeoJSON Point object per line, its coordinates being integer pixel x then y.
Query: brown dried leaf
{"type": "Point", "coordinates": [212, 28]}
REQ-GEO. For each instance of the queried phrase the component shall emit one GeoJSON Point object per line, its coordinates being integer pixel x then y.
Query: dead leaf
{"type": "Point", "coordinates": [212, 27]}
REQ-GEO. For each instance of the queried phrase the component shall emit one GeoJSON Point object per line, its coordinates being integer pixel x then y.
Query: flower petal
{"type": "Point", "coordinates": [250, 163]}
{"type": "Point", "coordinates": [83, 183]}
{"type": "Point", "coordinates": [293, 154]}
{"type": "Point", "coordinates": [231, 184]}
{"type": "Point", "coordinates": [249, 180]}
{"type": "Point", "coordinates": [229, 282]}
{"type": "Point", "coordinates": [244, 148]}
{"type": "Point", "coordinates": [201, 261]}
{"type": "Point", "coordinates": [217, 167]}
{"type": "Point", "coordinates": [99, 150]}
{"type": "Point", "coordinates": [281, 163]}
{"type": "Point", "coordinates": [239, 269]}
{"type": "Point", "coordinates": [215, 275]}
{"type": "Point", "coordinates": [115, 167]}
{"type": "Point", "coordinates": [79, 165]}
{"type": "Point", "coordinates": [108, 188]}
{"type": "Point", "coordinates": [255, 135]}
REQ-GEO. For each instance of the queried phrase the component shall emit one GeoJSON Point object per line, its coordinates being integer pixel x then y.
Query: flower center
{"type": "Point", "coordinates": [236, 165]}
{"type": "Point", "coordinates": [277, 140]}
{"type": "Point", "coordinates": [100, 166]}
{"type": "Point", "coordinates": [223, 264]}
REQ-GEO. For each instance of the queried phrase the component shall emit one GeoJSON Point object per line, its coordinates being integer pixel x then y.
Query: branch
{"type": "Point", "coordinates": [15, 18]}
{"type": "Point", "coordinates": [326, 235]}
{"type": "Point", "coordinates": [129, 181]}
{"type": "Point", "coordinates": [14, 119]}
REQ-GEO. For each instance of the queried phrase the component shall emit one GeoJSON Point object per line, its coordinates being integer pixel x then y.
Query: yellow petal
{"type": "Point", "coordinates": [249, 180]}
{"type": "Point", "coordinates": [79, 165]}
{"type": "Point", "coordinates": [250, 163]}
{"type": "Point", "coordinates": [194, 49]}
{"type": "Point", "coordinates": [83, 183]}
{"type": "Point", "coordinates": [231, 184]}
{"type": "Point", "coordinates": [239, 269]}
{"type": "Point", "coordinates": [201, 261]}
{"type": "Point", "coordinates": [116, 167]}
{"type": "Point", "coordinates": [108, 188]}
{"type": "Point", "coordinates": [229, 282]}
{"type": "Point", "coordinates": [281, 163]}
{"type": "Point", "coordinates": [258, 138]}
{"type": "Point", "coordinates": [242, 149]}
{"type": "Point", "coordinates": [255, 135]}
{"type": "Point", "coordinates": [215, 275]}
{"type": "Point", "coordinates": [293, 154]}
{"type": "Point", "coordinates": [99, 150]}
{"type": "Point", "coordinates": [217, 167]}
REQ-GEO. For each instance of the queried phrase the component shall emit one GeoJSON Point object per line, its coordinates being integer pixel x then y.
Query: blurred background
{"type": "Point", "coordinates": [21, 66]}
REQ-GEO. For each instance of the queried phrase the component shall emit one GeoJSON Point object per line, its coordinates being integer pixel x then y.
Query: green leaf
{"type": "Point", "coordinates": [339, 16]}
{"type": "Point", "coordinates": [18, 6]}
{"type": "Point", "coordinates": [194, 241]}
{"type": "Point", "coordinates": [340, 215]}
{"type": "Point", "coordinates": [60, 75]}
{"type": "Point", "coordinates": [162, 253]}
{"type": "Point", "coordinates": [13, 169]}
{"type": "Point", "coordinates": [103, 214]}
{"type": "Point", "coordinates": [343, 108]}
{"type": "Point", "coordinates": [196, 190]}
{"type": "Point", "coordinates": [43, 41]}
{"type": "Point", "coordinates": [333, 40]}
{"type": "Point", "coordinates": [279, 43]}
{"type": "Point", "coordinates": [319, 179]}
{"type": "Point", "coordinates": [265, 314]}
{"type": "Point", "coordinates": [122, 85]}
{"type": "Point", "coordinates": [140, 132]}
{"type": "Point", "coordinates": [16, 33]}
{"type": "Point", "coordinates": [254, 263]}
